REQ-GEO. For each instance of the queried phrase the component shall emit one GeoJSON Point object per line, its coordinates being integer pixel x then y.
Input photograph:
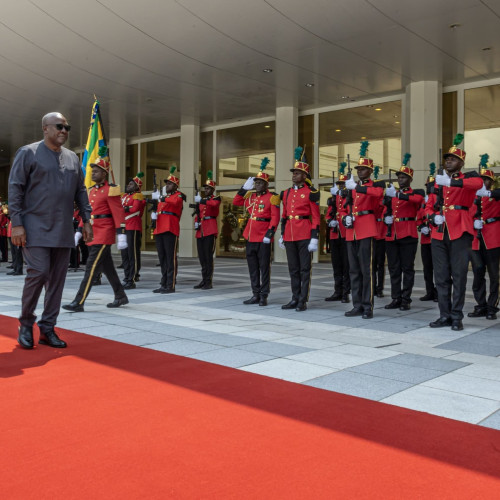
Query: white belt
{"type": "Point", "coordinates": [127, 217]}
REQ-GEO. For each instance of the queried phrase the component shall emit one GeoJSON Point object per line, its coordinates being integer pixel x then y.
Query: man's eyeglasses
{"type": "Point", "coordinates": [60, 126]}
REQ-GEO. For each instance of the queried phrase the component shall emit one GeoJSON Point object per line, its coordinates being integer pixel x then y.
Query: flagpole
{"type": "Point", "coordinates": [104, 137]}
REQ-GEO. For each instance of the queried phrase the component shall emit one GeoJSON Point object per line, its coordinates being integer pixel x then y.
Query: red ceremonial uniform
{"type": "Point", "coordinates": [4, 222]}
{"type": "Point", "coordinates": [301, 213]}
{"type": "Point", "coordinates": [264, 212]}
{"type": "Point", "coordinates": [404, 212]}
{"type": "Point", "coordinates": [458, 198]}
{"type": "Point", "coordinates": [381, 227]}
{"type": "Point", "coordinates": [9, 229]}
{"type": "Point", "coordinates": [336, 211]}
{"type": "Point", "coordinates": [133, 205]}
{"type": "Point", "coordinates": [169, 213]}
{"type": "Point", "coordinates": [490, 215]}
{"type": "Point", "coordinates": [209, 211]}
{"type": "Point", "coordinates": [425, 239]}
{"type": "Point", "coordinates": [108, 217]}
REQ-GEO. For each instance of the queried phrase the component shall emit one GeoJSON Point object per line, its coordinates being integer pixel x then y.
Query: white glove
{"type": "Point", "coordinates": [155, 195]}
{"type": "Point", "coordinates": [478, 224]}
{"type": "Point", "coordinates": [426, 198]}
{"type": "Point", "coordinates": [78, 237]}
{"type": "Point", "coordinates": [248, 184]}
{"type": "Point", "coordinates": [333, 223]}
{"type": "Point", "coordinates": [350, 183]}
{"type": "Point", "coordinates": [349, 219]}
{"type": "Point", "coordinates": [197, 225]}
{"type": "Point", "coordinates": [388, 219]}
{"type": "Point", "coordinates": [334, 190]}
{"type": "Point", "coordinates": [439, 219]}
{"type": "Point", "coordinates": [281, 243]}
{"type": "Point", "coordinates": [425, 230]}
{"type": "Point", "coordinates": [266, 240]}
{"type": "Point", "coordinates": [313, 245]}
{"type": "Point", "coordinates": [121, 243]}
{"type": "Point", "coordinates": [443, 180]}
{"type": "Point", "coordinates": [391, 191]}
{"type": "Point", "coordinates": [483, 192]}
{"type": "Point", "coordinates": [154, 216]}
{"type": "Point", "coordinates": [197, 198]}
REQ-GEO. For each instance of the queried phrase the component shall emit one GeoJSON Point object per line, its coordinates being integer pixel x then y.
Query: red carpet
{"type": "Point", "coordinates": [103, 419]}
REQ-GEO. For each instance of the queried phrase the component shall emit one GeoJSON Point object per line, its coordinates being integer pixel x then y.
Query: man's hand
{"type": "Point", "coordinates": [155, 195]}
{"type": "Point", "coordinates": [334, 190]}
{"type": "Point", "coordinates": [18, 236]}
{"type": "Point", "coordinates": [443, 180]}
{"type": "Point", "coordinates": [483, 192]}
{"type": "Point", "coordinates": [154, 215]}
{"type": "Point", "coordinates": [78, 237]}
{"type": "Point", "coordinates": [333, 223]}
{"type": "Point", "coordinates": [348, 221]}
{"type": "Point", "coordinates": [266, 240]}
{"type": "Point", "coordinates": [313, 245]}
{"type": "Point", "coordinates": [249, 183]}
{"type": "Point", "coordinates": [121, 244]}
{"type": "Point", "coordinates": [478, 224]}
{"type": "Point", "coordinates": [388, 219]}
{"type": "Point", "coordinates": [281, 243]}
{"type": "Point", "coordinates": [197, 198]}
{"type": "Point", "coordinates": [425, 230]}
{"type": "Point", "coordinates": [350, 183]}
{"type": "Point", "coordinates": [197, 225]}
{"type": "Point", "coordinates": [391, 191]}
{"type": "Point", "coordinates": [88, 233]}
{"type": "Point", "coordinates": [438, 219]}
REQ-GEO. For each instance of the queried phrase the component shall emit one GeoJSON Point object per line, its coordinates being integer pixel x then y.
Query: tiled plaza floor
{"type": "Point", "coordinates": [394, 358]}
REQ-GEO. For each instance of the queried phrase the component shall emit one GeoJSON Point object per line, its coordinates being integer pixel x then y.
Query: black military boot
{"type": "Point", "coordinates": [252, 300]}
{"type": "Point", "coordinates": [395, 304]}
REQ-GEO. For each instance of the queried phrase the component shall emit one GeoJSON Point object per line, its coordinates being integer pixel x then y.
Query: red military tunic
{"type": "Point", "coordinates": [490, 215]}
{"type": "Point", "coordinates": [366, 199]}
{"type": "Point", "coordinates": [209, 211]}
{"type": "Point", "coordinates": [169, 213]}
{"type": "Point", "coordinates": [108, 217]}
{"type": "Point", "coordinates": [336, 211]}
{"type": "Point", "coordinates": [425, 239]}
{"type": "Point", "coordinates": [4, 222]}
{"type": "Point", "coordinates": [264, 212]}
{"type": "Point", "coordinates": [133, 205]}
{"type": "Point", "coordinates": [458, 198]}
{"type": "Point", "coordinates": [404, 212]}
{"type": "Point", "coordinates": [379, 219]}
{"type": "Point", "coordinates": [300, 215]}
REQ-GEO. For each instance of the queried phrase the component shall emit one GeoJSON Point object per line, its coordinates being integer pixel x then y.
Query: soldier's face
{"type": "Point", "coordinates": [98, 175]}
{"type": "Point", "coordinates": [170, 187]}
{"type": "Point", "coordinates": [260, 185]}
{"type": "Point", "coordinates": [298, 176]}
{"type": "Point", "coordinates": [404, 180]}
{"type": "Point", "coordinates": [364, 173]}
{"type": "Point", "coordinates": [131, 187]}
{"type": "Point", "coordinates": [488, 183]}
{"type": "Point", "coordinates": [453, 164]}
{"type": "Point", "coordinates": [209, 191]}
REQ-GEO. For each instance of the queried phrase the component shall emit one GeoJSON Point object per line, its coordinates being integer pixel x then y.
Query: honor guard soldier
{"type": "Point", "coordinates": [449, 211]}
{"type": "Point", "coordinates": [362, 203]}
{"type": "Point", "coordinates": [108, 223]}
{"type": "Point", "coordinates": [300, 231]}
{"type": "Point", "coordinates": [263, 209]}
{"type": "Point", "coordinates": [4, 247]}
{"type": "Point", "coordinates": [379, 246]}
{"type": "Point", "coordinates": [486, 246]}
{"type": "Point", "coordinates": [205, 223]}
{"type": "Point", "coordinates": [17, 252]}
{"type": "Point", "coordinates": [133, 203]}
{"type": "Point", "coordinates": [338, 246]}
{"type": "Point", "coordinates": [402, 240]}
{"type": "Point", "coordinates": [167, 231]}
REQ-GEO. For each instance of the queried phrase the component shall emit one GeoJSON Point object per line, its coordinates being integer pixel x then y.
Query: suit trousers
{"type": "Point", "coordinates": [45, 268]}
{"type": "Point", "coordinates": [17, 258]}
{"type": "Point", "coordinates": [99, 261]}
{"type": "Point", "coordinates": [131, 256]}
{"type": "Point", "coordinates": [485, 260]}
{"type": "Point", "coordinates": [360, 254]}
{"type": "Point", "coordinates": [401, 263]}
{"type": "Point", "coordinates": [426, 254]}
{"type": "Point", "coordinates": [4, 248]}
{"type": "Point", "coordinates": [259, 267]}
{"type": "Point", "coordinates": [206, 249]}
{"type": "Point", "coordinates": [166, 244]}
{"type": "Point", "coordinates": [299, 267]}
{"type": "Point", "coordinates": [340, 264]}
{"type": "Point", "coordinates": [451, 263]}
{"type": "Point", "coordinates": [379, 247]}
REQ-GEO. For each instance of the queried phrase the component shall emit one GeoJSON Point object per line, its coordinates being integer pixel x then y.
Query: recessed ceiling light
{"type": "Point", "coordinates": [397, 122]}
{"type": "Point", "coordinates": [485, 49]}
{"type": "Point", "coordinates": [309, 85]}
{"type": "Point", "coordinates": [267, 70]}
{"type": "Point", "coordinates": [369, 106]}
{"type": "Point", "coordinates": [454, 26]}
{"type": "Point", "coordinates": [378, 109]}
{"type": "Point", "coordinates": [394, 116]}
{"type": "Point", "coordinates": [345, 97]}
{"type": "Point", "coordinates": [338, 130]}
{"type": "Point", "coordinates": [267, 126]}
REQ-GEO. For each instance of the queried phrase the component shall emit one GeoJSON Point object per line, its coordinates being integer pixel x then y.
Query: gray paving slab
{"type": "Point", "coordinates": [444, 365]}
{"type": "Point", "coordinates": [331, 359]}
{"type": "Point", "coordinates": [472, 347]}
{"type": "Point", "coordinates": [463, 384]}
{"type": "Point", "coordinates": [183, 347]}
{"type": "Point", "coordinates": [493, 421]}
{"type": "Point", "coordinates": [226, 340]}
{"type": "Point", "coordinates": [234, 358]}
{"type": "Point", "coordinates": [279, 350]}
{"type": "Point", "coordinates": [143, 338]}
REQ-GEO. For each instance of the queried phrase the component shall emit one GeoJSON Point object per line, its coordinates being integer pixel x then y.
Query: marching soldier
{"type": "Point", "coordinates": [263, 208]}
{"type": "Point", "coordinates": [486, 247]}
{"type": "Point", "coordinates": [167, 232]}
{"type": "Point", "coordinates": [300, 231]}
{"type": "Point", "coordinates": [133, 203]}
{"type": "Point", "coordinates": [449, 211]}
{"type": "Point", "coordinates": [338, 246]}
{"type": "Point", "coordinates": [205, 223]}
{"type": "Point", "coordinates": [402, 240]}
{"type": "Point", "coordinates": [108, 225]}
{"type": "Point", "coordinates": [379, 246]}
{"type": "Point", "coordinates": [363, 201]}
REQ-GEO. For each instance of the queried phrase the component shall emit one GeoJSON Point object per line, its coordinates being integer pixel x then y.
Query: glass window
{"type": "Point", "coordinates": [482, 124]}
{"type": "Point", "coordinates": [232, 224]}
{"type": "Point", "coordinates": [340, 134]}
{"type": "Point", "coordinates": [131, 161]}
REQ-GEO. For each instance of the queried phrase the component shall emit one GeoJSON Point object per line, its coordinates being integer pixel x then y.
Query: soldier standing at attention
{"type": "Point", "coordinates": [263, 208]}
{"type": "Point", "coordinates": [300, 231]}
{"type": "Point", "coordinates": [379, 246]}
{"type": "Point", "coordinates": [205, 223]}
{"type": "Point", "coordinates": [448, 208]}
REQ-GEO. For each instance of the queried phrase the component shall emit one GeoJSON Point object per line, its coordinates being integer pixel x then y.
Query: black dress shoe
{"type": "Point", "coordinates": [13, 273]}
{"type": "Point", "coordinates": [457, 325]}
{"type": "Point", "coordinates": [168, 290]}
{"type": "Point", "coordinates": [380, 294]}
{"type": "Point", "coordinates": [252, 300]}
{"type": "Point", "coordinates": [405, 306]}
{"type": "Point", "coordinates": [201, 284]}
{"type": "Point", "coordinates": [291, 305]}
{"type": "Point", "coordinates": [118, 302]}
{"type": "Point", "coordinates": [51, 339]}
{"type": "Point", "coordinates": [353, 312]}
{"type": "Point", "coordinates": [74, 306]}
{"type": "Point", "coordinates": [478, 313]}
{"type": "Point", "coordinates": [129, 286]}
{"type": "Point", "coordinates": [120, 266]}
{"type": "Point", "coordinates": [301, 306]}
{"type": "Point", "coordinates": [395, 304]}
{"type": "Point", "coordinates": [440, 323]}
{"type": "Point", "coordinates": [335, 297]}
{"type": "Point", "coordinates": [345, 299]}
{"type": "Point", "coordinates": [427, 297]}
{"type": "Point", "coordinates": [162, 289]}
{"type": "Point", "coordinates": [137, 278]}
{"type": "Point", "coordinates": [491, 316]}
{"type": "Point", "coordinates": [367, 315]}
{"type": "Point", "coordinates": [207, 286]}
{"type": "Point", "coordinates": [9, 267]}
{"type": "Point", "coordinates": [25, 337]}
{"type": "Point", "coordinates": [263, 301]}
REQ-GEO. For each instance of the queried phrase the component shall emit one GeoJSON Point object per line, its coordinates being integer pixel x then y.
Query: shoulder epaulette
{"type": "Point", "coordinates": [217, 198]}
{"type": "Point", "coordinates": [282, 193]}
{"type": "Point", "coordinates": [114, 190]}
{"type": "Point", "coordinates": [312, 188]}
{"type": "Point", "coordinates": [275, 199]}
{"type": "Point", "coordinates": [138, 196]}
{"type": "Point", "coordinates": [380, 184]}
{"type": "Point", "coordinates": [473, 173]}
{"type": "Point", "coordinates": [248, 194]}
{"type": "Point", "coordinates": [421, 192]}
{"type": "Point", "coordinates": [314, 194]}
{"type": "Point", "coordinates": [182, 195]}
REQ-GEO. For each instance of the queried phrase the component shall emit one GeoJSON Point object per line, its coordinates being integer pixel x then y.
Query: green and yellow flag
{"type": "Point", "coordinates": [96, 139]}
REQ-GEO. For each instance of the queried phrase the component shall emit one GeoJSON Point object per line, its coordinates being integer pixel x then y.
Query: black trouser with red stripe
{"type": "Point", "coordinates": [360, 271]}
{"type": "Point", "coordinates": [426, 254]}
{"type": "Point", "coordinates": [340, 264]}
{"type": "Point", "coordinates": [299, 267]}
{"type": "Point", "coordinates": [378, 265]}
{"type": "Point", "coordinates": [401, 263]}
{"type": "Point", "coordinates": [206, 248]}
{"type": "Point", "coordinates": [482, 260]}
{"type": "Point", "coordinates": [166, 244]}
{"type": "Point", "coordinates": [99, 261]}
{"type": "Point", "coordinates": [131, 256]}
{"type": "Point", "coordinates": [259, 267]}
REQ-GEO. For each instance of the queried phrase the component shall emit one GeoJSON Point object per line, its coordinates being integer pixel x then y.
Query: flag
{"type": "Point", "coordinates": [96, 139]}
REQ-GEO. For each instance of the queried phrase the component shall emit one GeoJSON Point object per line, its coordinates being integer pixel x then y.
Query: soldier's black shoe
{"type": "Point", "coordinates": [395, 304]}
{"type": "Point", "coordinates": [335, 297]}
{"type": "Point", "coordinates": [427, 297]}
{"type": "Point", "coordinates": [120, 266]}
{"type": "Point", "coordinates": [457, 325]}
{"type": "Point", "coordinates": [25, 337]}
{"type": "Point", "coordinates": [380, 294]}
{"type": "Point", "coordinates": [74, 306]}
{"type": "Point", "coordinates": [252, 300]}
{"type": "Point", "coordinates": [440, 323]}
{"type": "Point", "coordinates": [301, 306]}
{"type": "Point", "coordinates": [353, 312]}
{"type": "Point", "coordinates": [137, 278]}
{"type": "Point", "coordinates": [405, 306]}
{"type": "Point", "coordinates": [51, 339]}
{"type": "Point", "coordinates": [491, 316]}
{"type": "Point", "coordinates": [367, 315]}
{"type": "Point", "coordinates": [478, 313]}
{"type": "Point", "coordinates": [129, 286]}
{"type": "Point", "coordinates": [168, 290]}
{"type": "Point", "coordinates": [207, 286]}
{"type": "Point", "coordinates": [291, 305]}
{"type": "Point", "coordinates": [118, 302]}
{"type": "Point", "coordinates": [263, 300]}
{"type": "Point", "coordinates": [162, 289]}
{"type": "Point", "coordinates": [13, 273]}
{"type": "Point", "coordinates": [201, 284]}
{"type": "Point", "coordinates": [345, 298]}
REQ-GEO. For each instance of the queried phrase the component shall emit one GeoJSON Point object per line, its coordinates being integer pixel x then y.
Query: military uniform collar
{"type": "Point", "coordinates": [261, 194]}
{"type": "Point", "coordinates": [365, 181]}
{"type": "Point", "coordinates": [456, 175]}
{"type": "Point", "coordinates": [298, 186]}
{"type": "Point", "coordinates": [403, 190]}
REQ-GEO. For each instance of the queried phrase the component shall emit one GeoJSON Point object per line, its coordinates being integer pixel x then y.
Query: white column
{"type": "Point", "coordinates": [117, 143]}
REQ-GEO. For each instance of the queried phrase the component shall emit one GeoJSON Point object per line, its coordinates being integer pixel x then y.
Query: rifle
{"type": "Point", "coordinates": [483, 163]}
{"type": "Point", "coordinates": [439, 194]}
{"type": "Point", "coordinates": [388, 204]}
{"type": "Point", "coordinates": [334, 203]}
{"type": "Point", "coordinates": [196, 206]}
{"type": "Point", "coordinates": [349, 202]}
